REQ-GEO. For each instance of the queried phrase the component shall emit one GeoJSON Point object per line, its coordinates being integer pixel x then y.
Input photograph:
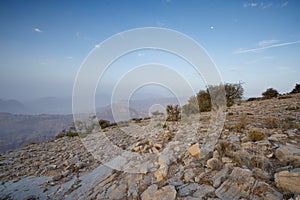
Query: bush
{"type": "Point", "coordinates": [296, 89]}
{"type": "Point", "coordinates": [173, 113]}
{"type": "Point", "coordinates": [272, 123]}
{"type": "Point", "coordinates": [60, 135]}
{"type": "Point", "coordinates": [233, 92]}
{"type": "Point", "coordinates": [270, 93]}
{"type": "Point", "coordinates": [104, 123]}
{"type": "Point", "coordinates": [241, 124]}
{"type": "Point", "coordinates": [72, 134]}
{"type": "Point", "coordinates": [256, 135]}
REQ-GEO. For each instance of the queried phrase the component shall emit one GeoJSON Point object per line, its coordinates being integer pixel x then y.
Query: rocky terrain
{"type": "Point", "coordinates": [257, 156]}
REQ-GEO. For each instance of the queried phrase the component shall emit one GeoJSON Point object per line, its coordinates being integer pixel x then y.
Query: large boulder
{"type": "Point", "coordinates": [289, 182]}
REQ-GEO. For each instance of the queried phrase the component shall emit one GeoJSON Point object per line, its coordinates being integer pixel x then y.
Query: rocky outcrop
{"type": "Point", "coordinates": [170, 161]}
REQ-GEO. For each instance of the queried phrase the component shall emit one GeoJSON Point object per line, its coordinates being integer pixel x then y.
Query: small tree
{"type": "Point", "coordinates": [296, 89]}
{"type": "Point", "coordinates": [234, 92]}
{"type": "Point", "coordinates": [270, 93]}
{"type": "Point", "coordinates": [173, 113]}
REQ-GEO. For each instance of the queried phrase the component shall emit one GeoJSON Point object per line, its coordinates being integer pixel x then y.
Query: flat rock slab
{"type": "Point", "coordinates": [238, 185]}
{"type": "Point", "coordinates": [263, 190]}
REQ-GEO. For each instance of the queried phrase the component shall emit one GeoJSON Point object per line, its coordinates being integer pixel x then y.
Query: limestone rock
{"type": "Point", "coordinates": [161, 173]}
{"type": "Point", "coordinates": [188, 189]}
{"type": "Point", "coordinates": [194, 150]}
{"type": "Point", "coordinates": [287, 152]}
{"type": "Point", "coordinates": [237, 185]}
{"type": "Point", "coordinates": [221, 175]}
{"type": "Point", "coordinates": [165, 193]}
{"type": "Point", "coordinates": [202, 191]}
{"type": "Point", "coordinates": [289, 182]}
{"type": "Point", "coordinates": [214, 164]}
{"type": "Point", "coordinates": [262, 190]}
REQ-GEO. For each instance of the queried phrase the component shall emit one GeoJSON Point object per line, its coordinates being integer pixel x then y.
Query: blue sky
{"type": "Point", "coordinates": [43, 43]}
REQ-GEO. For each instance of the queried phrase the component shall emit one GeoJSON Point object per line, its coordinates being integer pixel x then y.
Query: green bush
{"type": "Point", "coordinates": [60, 135]}
{"type": "Point", "coordinates": [270, 93]}
{"type": "Point", "coordinates": [233, 93]}
{"type": "Point", "coordinates": [72, 134]}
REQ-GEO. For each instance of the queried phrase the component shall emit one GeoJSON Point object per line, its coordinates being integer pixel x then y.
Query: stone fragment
{"type": "Point", "coordinates": [202, 191]}
{"type": "Point", "coordinates": [289, 182]}
{"type": "Point", "coordinates": [158, 146]}
{"type": "Point", "coordinates": [221, 175]}
{"type": "Point", "coordinates": [188, 189]}
{"type": "Point", "coordinates": [262, 190]}
{"type": "Point", "coordinates": [214, 164]}
{"type": "Point", "coordinates": [237, 185]}
{"type": "Point", "coordinates": [194, 150]}
{"type": "Point", "coordinates": [57, 177]}
{"type": "Point", "coordinates": [119, 192]}
{"type": "Point", "coordinates": [161, 173]}
{"type": "Point", "coordinates": [154, 150]}
{"type": "Point", "coordinates": [188, 175]}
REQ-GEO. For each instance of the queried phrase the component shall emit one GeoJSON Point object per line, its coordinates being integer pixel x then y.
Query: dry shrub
{"type": "Point", "coordinates": [256, 135]}
{"type": "Point", "coordinates": [272, 122]}
{"type": "Point", "coordinates": [241, 124]}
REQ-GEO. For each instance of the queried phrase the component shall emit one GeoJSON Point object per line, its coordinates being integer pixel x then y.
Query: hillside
{"type": "Point", "coordinates": [256, 157]}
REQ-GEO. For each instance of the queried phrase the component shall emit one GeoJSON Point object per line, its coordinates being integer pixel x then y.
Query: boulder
{"type": "Point", "coordinates": [262, 190]}
{"type": "Point", "coordinates": [289, 182]}
{"type": "Point", "coordinates": [237, 185]}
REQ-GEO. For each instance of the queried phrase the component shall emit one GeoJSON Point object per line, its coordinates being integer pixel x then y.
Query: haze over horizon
{"type": "Point", "coordinates": [43, 43]}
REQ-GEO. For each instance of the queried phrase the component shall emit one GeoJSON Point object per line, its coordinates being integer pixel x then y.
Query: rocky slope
{"type": "Point", "coordinates": [256, 157]}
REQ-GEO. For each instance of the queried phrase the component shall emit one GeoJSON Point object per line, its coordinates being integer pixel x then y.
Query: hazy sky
{"type": "Point", "coordinates": [43, 43]}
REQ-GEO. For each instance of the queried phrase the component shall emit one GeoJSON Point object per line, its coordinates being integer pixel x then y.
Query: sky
{"type": "Point", "coordinates": [44, 43]}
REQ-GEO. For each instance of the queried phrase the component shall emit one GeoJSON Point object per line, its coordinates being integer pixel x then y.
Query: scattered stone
{"type": "Point", "coordinates": [194, 150]}
{"type": "Point", "coordinates": [161, 173]}
{"type": "Point", "coordinates": [57, 177]}
{"type": "Point", "coordinates": [214, 164]}
{"type": "Point", "coordinates": [188, 175]}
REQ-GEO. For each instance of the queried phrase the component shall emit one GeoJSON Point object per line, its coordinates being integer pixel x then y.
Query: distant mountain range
{"type": "Point", "coordinates": [17, 130]}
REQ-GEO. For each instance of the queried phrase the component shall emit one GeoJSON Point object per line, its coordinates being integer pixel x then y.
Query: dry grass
{"type": "Point", "coordinates": [241, 124]}
{"type": "Point", "coordinates": [272, 122]}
